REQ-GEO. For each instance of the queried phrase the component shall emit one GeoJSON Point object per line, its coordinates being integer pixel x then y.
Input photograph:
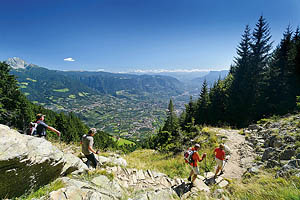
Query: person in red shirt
{"type": "Point", "coordinates": [220, 157]}
{"type": "Point", "coordinates": [194, 165]}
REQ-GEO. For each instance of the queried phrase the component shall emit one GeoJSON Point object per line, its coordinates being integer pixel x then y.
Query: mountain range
{"type": "Point", "coordinates": [120, 104]}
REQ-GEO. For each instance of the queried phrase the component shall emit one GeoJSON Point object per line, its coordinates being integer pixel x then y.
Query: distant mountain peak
{"type": "Point", "coordinates": [16, 63]}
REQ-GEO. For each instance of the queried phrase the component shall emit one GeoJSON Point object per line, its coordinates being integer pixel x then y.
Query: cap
{"type": "Point", "coordinates": [197, 145]}
{"type": "Point", "coordinates": [39, 116]}
{"type": "Point", "coordinates": [93, 130]}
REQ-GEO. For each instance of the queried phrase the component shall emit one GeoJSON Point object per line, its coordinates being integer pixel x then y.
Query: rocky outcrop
{"type": "Point", "coordinates": [28, 162]}
{"type": "Point", "coordinates": [275, 142]}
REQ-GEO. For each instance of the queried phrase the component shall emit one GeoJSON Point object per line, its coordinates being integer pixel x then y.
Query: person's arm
{"type": "Point", "coordinates": [54, 130]}
{"type": "Point", "coordinates": [92, 150]}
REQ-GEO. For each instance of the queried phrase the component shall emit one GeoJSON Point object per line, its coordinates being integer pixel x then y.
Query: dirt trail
{"type": "Point", "coordinates": [242, 154]}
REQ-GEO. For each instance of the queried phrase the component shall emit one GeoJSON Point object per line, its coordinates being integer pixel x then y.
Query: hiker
{"type": "Point", "coordinates": [219, 157]}
{"type": "Point", "coordinates": [87, 142]}
{"type": "Point", "coordinates": [42, 126]}
{"type": "Point", "coordinates": [194, 165]}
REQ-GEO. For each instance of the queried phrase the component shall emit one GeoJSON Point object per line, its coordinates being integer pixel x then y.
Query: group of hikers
{"type": "Point", "coordinates": [220, 159]}
{"type": "Point", "coordinates": [39, 127]}
{"type": "Point", "coordinates": [87, 143]}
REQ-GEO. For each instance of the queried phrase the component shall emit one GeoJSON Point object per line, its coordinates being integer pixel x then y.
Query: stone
{"type": "Point", "coordinates": [268, 153]}
{"type": "Point", "coordinates": [73, 165]}
{"type": "Point", "coordinates": [289, 139]}
{"type": "Point", "coordinates": [287, 154]}
{"type": "Point", "coordinates": [272, 164]}
{"type": "Point", "coordinates": [201, 186]}
{"type": "Point", "coordinates": [29, 162]}
{"type": "Point", "coordinates": [112, 160]}
{"type": "Point", "coordinates": [253, 170]}
{"type": "Point", "coordinates": [254, 127]}
{"type": "Point", "coordinates": [223, 183]}
{"type": "Point", "coordinates": [298, 156]}
{"type": "Point", "coordinates": [159, 194]}
{"type": "Point", "coordinates": [111, 186]}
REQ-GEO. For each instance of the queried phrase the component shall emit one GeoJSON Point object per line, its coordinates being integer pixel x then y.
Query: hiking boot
{"type": "Point", "coordinates": [189, 178]}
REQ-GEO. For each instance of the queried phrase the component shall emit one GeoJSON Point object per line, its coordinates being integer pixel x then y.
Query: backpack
{"type": "Point", "coordinates": [188, 156]}
{"type": "Point", "coordinates": [32, 128]}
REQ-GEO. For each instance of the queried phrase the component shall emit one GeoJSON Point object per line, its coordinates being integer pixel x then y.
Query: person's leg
{"type": "Point", "coordinates": [94, 160]}
{"type": "Point", "coordinates": [219, 166]}
{"type": "Point", "coordinates": [91, 159]}
{"type": "Point", "coordinates": [191, 174]}
{"type": "Point", "coordinates": [196, 172]}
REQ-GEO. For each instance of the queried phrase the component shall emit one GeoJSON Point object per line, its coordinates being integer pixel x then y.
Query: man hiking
{"type": "Point", "coordinates": [194, 165]}
{"type": "Point", "coordinates": [219, 157]}
{"type": "Point", "coordinates": [42, 127]}
{"type": "Point", "coordinates": [87, 142]}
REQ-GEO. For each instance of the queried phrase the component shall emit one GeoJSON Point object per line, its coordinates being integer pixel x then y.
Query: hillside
{"type": "Point", "coordinates": [128, 105]}
{"type": "Point", "coordinates": [153, 175]}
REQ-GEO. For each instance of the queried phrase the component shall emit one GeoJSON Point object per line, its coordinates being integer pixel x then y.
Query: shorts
{"type": "Point", "coordinates": [195, 170]}
{"type": "Point", "coordinates": [219, 162]}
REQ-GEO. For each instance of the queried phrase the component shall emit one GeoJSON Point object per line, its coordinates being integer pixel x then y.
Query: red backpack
{"type": "Point", "coordinates": [188, 156]}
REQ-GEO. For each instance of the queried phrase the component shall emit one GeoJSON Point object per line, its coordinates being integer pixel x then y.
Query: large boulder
{"type": "Point", "coordinates": [73, 165]}
{"type": "Point", "coordinates": [26, 162]}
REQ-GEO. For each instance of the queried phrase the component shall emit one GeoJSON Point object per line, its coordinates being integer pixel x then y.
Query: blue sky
{"type": "Point", "coordinates": [127, 35]}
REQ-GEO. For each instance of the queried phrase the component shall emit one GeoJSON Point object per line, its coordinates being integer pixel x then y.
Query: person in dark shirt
{"type": "Point", "coordinates": [42, 127]}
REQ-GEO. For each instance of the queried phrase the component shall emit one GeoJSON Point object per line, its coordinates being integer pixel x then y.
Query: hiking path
{"type": "Point", "coordinates": [241, 154]}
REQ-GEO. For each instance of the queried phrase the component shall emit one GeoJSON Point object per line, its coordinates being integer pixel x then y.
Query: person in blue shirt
{"type": "Point", "coordinates": [42, 127]}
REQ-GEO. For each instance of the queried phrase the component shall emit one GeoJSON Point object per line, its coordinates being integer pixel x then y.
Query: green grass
{"type": "Point", "coordinates": [62, 90]}
{"type": "Point", "coordinates": [81, 94]}
{"type": "Point", "coordinates": [43, 191]}
{"type": "Point", "coordinates": [265, 187]}
{"type": "Point", "coordinates": [92, 174]}
{"type": "Point", "coordinates": [173, 166]}
{"type": "Point", "coordinates": [122, 141]}
{"type": "Point", "coordinates": [29, 79]}
{"type": "Point", "coordinates": [72, 96]}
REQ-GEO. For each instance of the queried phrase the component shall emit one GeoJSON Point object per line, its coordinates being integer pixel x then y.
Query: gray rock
{"type": "Point", "coordinates": [112, 160]}
{"type": "Point", "coordinates": [159, 194]}
{"type": "Point", "coordinates": [268, 153]}
{"type": "Point", "coordinates": [26, 162]}
{"type": "Point", "coordinates": [272, 164]}
{"type": "Point", "coordinates": [289, 139]}
{"type": "Point", "coordinates": [254, 127]}
{"type": "Point", "coordinates": [111, 186]}
{"type": "Point", "coordinates": [298, 156]}
{"type": "Point", "coordinates": [253, 170]}
{"type": "Point", "coordinates": [73, 165]}
{"type": "Point", "coordinates": [287, 154]}
{"type": "Point", "coordinates": [291, 168]}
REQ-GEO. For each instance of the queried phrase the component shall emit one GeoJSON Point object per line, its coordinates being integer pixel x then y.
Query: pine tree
{"type": "Point", "coordinates": [261, 47]}
{"type": "Point", "coordinates": [279, 92]}
{"type": "Point", "coordinates": [202, 104]}
{"type": "Point", "coordinates": [241, 89]}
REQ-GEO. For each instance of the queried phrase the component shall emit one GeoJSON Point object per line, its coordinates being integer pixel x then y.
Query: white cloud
{"type": "Point", "coordinates": [69, 59]}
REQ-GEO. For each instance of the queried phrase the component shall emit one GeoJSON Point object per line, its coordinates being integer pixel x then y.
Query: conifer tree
{"type": "Point", "coordinates": [261, 46]}
{"type": "Point", "coordinates": [201, 114]}
{"type": "Point", "coordinates": [279, 92]}
{"type": "Point", "coordinates": [241, 89]}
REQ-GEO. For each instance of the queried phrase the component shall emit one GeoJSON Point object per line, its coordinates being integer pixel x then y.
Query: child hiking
{"type": "Point", "coordinates": [193, 160]}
